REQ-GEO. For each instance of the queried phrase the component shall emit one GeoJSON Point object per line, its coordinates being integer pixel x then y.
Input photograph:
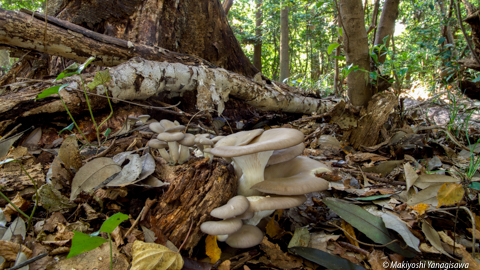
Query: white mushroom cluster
{"type": "Point", "coordinates": [170, 136]}
{"type": "Point", "coordinates": [271, 176]}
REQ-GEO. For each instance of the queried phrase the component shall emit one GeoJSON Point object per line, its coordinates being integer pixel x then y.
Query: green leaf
{"type": "Point", "coordinates": [102, 77]}
{"type": "Point", "coordinates": [107, 132]}
{"type": "Point", "coordinates": [440, 40]}
{"type": "Point", "coordinates": [332, 47]}
{"type": "Point", "coordinates": [74, 69]}
{"type": "Point", "coordinates": [475, 185]}
{"type": "Point", "coordinates": [372, 226]}
{"type": "Point", "coordinates": [340, 31]}
{"type": "Point", "coordinates": [83, 242]}
{"type": "Point", "coordinates": [70, 128]}
{"type": "Point", "coordinates": [50, 91]}
{"type": "Point", "coordinates": [112, 222]}
{"type": "Point", "coordinates": [477, 79]}
{"type": "Point", "coordinates": [325, 259]}
{"type": "Point", "coordinates": [372, 198]}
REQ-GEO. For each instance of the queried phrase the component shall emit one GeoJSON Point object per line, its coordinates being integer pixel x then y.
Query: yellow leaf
{"type": "Point", "coordinates": [420, 208]}
{"type": "Point", "coordinates": [348, 228]}
{"type": "Point", "coordinates": [155, 257]}
{"type": "Point", "coordinates": [450, 194]}
{"type": "Point", "coordinates": [211, 248]}
{"type": "Point", "coordinates": [273, 229]}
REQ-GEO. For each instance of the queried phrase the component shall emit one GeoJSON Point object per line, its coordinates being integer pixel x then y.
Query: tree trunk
{"type": "Point", "coordinates": [257, 48]}
{"type": "Point", "coordinates": [386, 27]}
{"type": "Point", "coordinates": [190, 27]}
{"type": "Point", "coordinates": [284, 50]}
{"type": "Point", "coordinates": [356, 51]}
{"type": "Point", "coordinates": [227, 4]}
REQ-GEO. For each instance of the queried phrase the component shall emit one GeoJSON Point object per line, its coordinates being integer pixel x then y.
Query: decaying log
{"type": "Point", "coordinates": [141, 79]}
{"type": "Point", "coordinates": [372, 120]}
{"type": "Point", "coordinates": [71, 41]}
{"type": "Point", "coordinates": [197, 189]}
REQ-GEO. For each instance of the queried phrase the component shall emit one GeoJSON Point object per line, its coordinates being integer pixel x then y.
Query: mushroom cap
{"type": "Point", "coordinates": [171, 137]}
{"type": "Point", "coordinates": [203, 141]}
{"type": "Point", "coordinates": [217, 138]}
{"type": "Point", "coordinates": [286, 154]}
{"type": "Point", "coordinates": [247, 236]}
{"type": "Point", "coordinates": [166, 124]}
{"type": "Point", "coordinates": [293, 177]}
{"type": "Point", "coordinates": [272, 139]}
{"type": "Point", "coordinates": [188, 140]}
{"type": "Point", "coordinates": [239, 138]}
{"type": "Point", "coordinates": [178, 128]}
{"type": "Point", "coordinates": [157, 144]}
{"type": "Point", "coordinates": [156, 127]}
{"type": "Point", "coordinates": [234, 207]}
{"type": "Point", "coordinates": [227, 226]}
{"type": "Point", "coordinates": [144, 118]}
{"type": "Point", "coordinates": [275, 202]}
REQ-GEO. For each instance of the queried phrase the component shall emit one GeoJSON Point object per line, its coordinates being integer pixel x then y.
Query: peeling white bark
{"type": "Point", "coordinates": [141, 79]}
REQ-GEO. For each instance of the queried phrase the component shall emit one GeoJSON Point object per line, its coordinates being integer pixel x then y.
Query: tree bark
{"type": "Point", "coordinates": [191, 27]}
{"type": "Point", "coordinates": [227, 4]}
{"type": "Point", "coordinates": [257, 48]}
{"type": "Point", "coordinates": [356, 51]}
{"type": "Point", "coordinates": [284, 50]}
{"type": "Point", "coordinates": [386, 26]}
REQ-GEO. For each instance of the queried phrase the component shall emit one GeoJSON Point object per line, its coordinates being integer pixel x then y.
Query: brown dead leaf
{"type": "Point", "coordinates": [477, 233]}
{"type": "Point", "coordinates": [111, 193]}
{"type": "Point", "coordinates": [467, 257]}
{"type": "Point", "coordinates": [41, 264]}
{"type": "Point", "coordinates": [211, 248]}
{"type": "Point", "coordinates": [19, 202]}
{"type": "Point", "coordinates": [9, 250]}
{"type": "Point", "coordinates": [225, 265]}
{"type": "Point", "coordinates": [69, 154]}
{"type": "Point", "coordinates": [277, 257]}
{"type": "Point", "coordinates": [59, 250]}
{"type": "Point", "coordinates": [420, 208]}
{"type": "Point", "coordinates": [348, 228]}
{"type": "Point", "coordinates": [377, 259]}
{"type": "Point", "coordinates": [450, 194]}
{"type": "Point", "coordinates": [54, 220]}
{"type": "Point", "coordinates": [273, 228]}
{"type": "Point", "coordinates": [61, 177]}
{"type": "Point", "coordinates": [118, 236]}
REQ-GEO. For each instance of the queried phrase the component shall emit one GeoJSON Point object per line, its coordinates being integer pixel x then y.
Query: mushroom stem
{"type": "Point", "coordinates": [165, 155]}
{"type": "Point", "coordinates": [184, 154]}
{"type": "Point", "coordinates": [174, 153]}
{"type": "Point", "coordinates": [252, 166]}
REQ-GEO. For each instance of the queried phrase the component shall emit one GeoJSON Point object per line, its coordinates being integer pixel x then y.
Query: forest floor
{"type": "Point", "coordinates": [411, 201]}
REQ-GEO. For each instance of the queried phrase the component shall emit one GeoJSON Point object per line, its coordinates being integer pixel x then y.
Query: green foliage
{"type": "Point", "coordinates": [35, 5]}
{"type": "Point", "coordinates": [83, 242]}
{"type": "Point", "coordinates": [420, 51]}
{"type": "Point", "coordinates": [101, 78]}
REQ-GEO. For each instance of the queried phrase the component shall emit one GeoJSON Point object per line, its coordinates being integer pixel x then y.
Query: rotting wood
{"type": "Point", "coordinates": [198, 188]}
{"type": "Point", "coordinates": [372, 120]}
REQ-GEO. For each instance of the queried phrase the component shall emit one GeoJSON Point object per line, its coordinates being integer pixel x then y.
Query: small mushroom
{"type": "Point", "coordinates": [233, 208]}
{"type": "Point", "coordinates": [172, 140]}
{"type": "Point", "coordinates": [161, 146]}
{"type": "Point", "coordinates": [185, 143]}
{"type": "Point", "coordinates": [227, 226]}
{"type": "Point", "coordinates": [293, 177]}
{"type": "Point", "coordinates": [248, 236]}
